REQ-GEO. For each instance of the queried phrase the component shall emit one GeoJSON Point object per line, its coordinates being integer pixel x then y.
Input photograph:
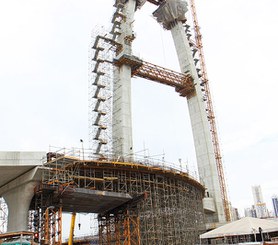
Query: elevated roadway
{"type": "Point", "coordinates": [14, 164]}
{"type": "Point", "coordinates": [21, 173]}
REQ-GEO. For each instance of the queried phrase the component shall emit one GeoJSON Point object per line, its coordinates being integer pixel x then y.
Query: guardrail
{"type": "Point", "coordinates": [87, 155]}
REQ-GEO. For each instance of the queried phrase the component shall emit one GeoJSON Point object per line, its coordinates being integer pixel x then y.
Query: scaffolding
{"type": "Point", "coordinates": [104, 49]}
{"type": "Point", "coordinates": [100, 93]}
{"type": "Point", "coordinates": [165, 205]}
{"type": "Point", "coordinates": [183, 83]}
{"type": "Point", "coordinates": [46, 218]}
{"type": "Point", "coordinates": [196, 45]}
{"type": "Point", "coordinates": [18, 237]}
{"type": "Point", "coordinates": [3, 216]}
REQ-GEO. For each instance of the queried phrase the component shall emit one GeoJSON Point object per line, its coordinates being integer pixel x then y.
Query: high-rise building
{"type": "Point", "coordinates": [275, 205]}
{"type": "Point", "coordinates": [234, 214]}
{"type": "Point", "coordinates": [260, 206]}
{"type": "Point", "coordinates": [250, 212]}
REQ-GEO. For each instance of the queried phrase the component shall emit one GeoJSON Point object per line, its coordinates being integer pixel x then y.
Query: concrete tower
{"type": "Point", "coordinates": [275, 205]}
{"type": "Point", "coordinates": [259, 203]}
{"type": "Point", "coordinates": [171, 15]}
{"type": "Point", "coordinates": [122, 124]}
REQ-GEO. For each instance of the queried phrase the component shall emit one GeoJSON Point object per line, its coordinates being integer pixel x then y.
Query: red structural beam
{"type": "Point", "coordinates": [183, 83]}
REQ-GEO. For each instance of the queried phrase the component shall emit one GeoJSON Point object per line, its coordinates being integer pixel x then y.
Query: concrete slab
{"type": "Point", "coordinates": [91, 201]}
{"type": "Point", "coordinates": [8, 174]}
{"type": "Point", "coordinates": [15, 163]}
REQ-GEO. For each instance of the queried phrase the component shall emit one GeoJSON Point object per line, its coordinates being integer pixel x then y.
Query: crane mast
{"type": "Point", "coordinates": [210, 112]}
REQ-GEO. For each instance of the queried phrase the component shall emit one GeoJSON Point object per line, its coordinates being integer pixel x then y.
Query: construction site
{"type": "Point", "coordinates": [138, 201]}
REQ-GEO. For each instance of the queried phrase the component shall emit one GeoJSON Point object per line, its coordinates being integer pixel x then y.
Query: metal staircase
{"type": "Point", "coordinates": [104, 49]}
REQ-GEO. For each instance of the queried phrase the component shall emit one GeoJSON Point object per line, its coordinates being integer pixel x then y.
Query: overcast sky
{"type": "Point", "coordinates": [44, 84]}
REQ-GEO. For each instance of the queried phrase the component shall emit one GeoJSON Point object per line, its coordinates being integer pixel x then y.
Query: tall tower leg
{"type": "Point", "coordinates": [207, 167]}
{"type": "Point", "coordinates": [122, 124]}
{"type": "Point", "coordinates": [200, 127]}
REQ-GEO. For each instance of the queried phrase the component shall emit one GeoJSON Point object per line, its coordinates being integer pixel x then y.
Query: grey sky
{"type": "Point", "coordinates": [43, 77]}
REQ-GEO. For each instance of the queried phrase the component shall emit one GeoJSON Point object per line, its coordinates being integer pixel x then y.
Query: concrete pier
{"type": "Point", "coordinates": [19, 175]}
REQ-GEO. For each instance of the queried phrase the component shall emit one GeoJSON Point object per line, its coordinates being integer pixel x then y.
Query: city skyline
{"type": "Point", "coordinates": [275, 205]}
{"type": "Point", "coordinates": [259, 209]}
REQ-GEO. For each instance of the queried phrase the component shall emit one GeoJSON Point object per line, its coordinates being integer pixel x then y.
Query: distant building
{"type": "Point", "coordinates": [260, 206]}
{"type": "Point", "coordinates": [275, 205]}
{"type": "Point", "coordinates": [234, 214]}
{"type": "Point", "coordinates": [250, 212]}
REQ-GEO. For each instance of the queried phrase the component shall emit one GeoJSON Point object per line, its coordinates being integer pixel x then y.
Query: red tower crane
{"type": "Point", "coordinates": [210, 112]}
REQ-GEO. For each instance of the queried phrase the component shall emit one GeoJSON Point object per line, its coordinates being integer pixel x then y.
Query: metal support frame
{"type": "Point", "coordinates": [20, 235]}
{"type": "Point", "coordinates": [166, 207]}
{"type": "Point", "coordinates": [100, 94]}
{"type": "Point", "coordinates": [3, 216]}
{"type": "Point", "coordinates": [49, 217]}
{"type": "Point", "coordinates": [183, 83]}
{"type": "Point", "coordinates": [104, 48]}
